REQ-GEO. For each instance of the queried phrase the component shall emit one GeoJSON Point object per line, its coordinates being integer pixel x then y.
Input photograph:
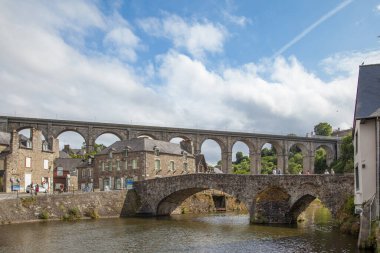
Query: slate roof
{"type": "Point", "coordinates": [5, 138]}
{"type": "Point", "coordinates": [68, 164]}
{"type": "Point", "coordinates": [368, 93]}
{"type": "Point", "coordinates": [144, 144]}
{"type": "Point", "coordinates": [63, 154]}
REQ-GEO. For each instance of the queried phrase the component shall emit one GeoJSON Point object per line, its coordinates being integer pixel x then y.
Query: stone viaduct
{"type": "Point", "coordinates": [269, 198]}
{"type": "Point", "coordinates": [90, 131]}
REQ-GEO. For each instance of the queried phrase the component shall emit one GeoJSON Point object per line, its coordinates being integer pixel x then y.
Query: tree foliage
{"type": "Point", "coordinates": [242, 164]}
{"type": "Point", "coordinates": [323, 128]}
{"type": "Point", "coordinates": [84, 156]}
{"type": "Point", "coordinates": [320, 163]}
{"type": "Point", "coordinates": [295, 162]}
{"type": "Point", "coordinates": [268, 160]}
{"type": "Point", "coordinates": [345, 163]}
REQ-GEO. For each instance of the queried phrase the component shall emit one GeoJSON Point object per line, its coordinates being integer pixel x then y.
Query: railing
{"type": "Point", "coordinates": [372, 211]}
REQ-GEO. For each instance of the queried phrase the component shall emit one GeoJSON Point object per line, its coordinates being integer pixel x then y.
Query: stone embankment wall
{"type": "Point", "coordinates": [59, 206]}
{"type": "Point", "coordinates": [99, 204]}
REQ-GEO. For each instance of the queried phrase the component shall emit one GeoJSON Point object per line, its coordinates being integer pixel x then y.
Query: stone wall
{"type": "Point", "coordinates": [25, 209]}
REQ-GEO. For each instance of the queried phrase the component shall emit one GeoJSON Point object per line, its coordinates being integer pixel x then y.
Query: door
{"type": "Point", "coordinates": [28, 179]}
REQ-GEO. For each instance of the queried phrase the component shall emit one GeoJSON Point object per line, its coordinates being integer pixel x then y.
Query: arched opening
{"type": "Point", "coordinates": [268, 159]}
{"type": "Point", "coordinates": [26, 137]}
{"type": "Point", "coordinates": [241, 162]}
{"type": "Point", "coordinates": [72, 144]}
{"type": "Point", "coordinates": [200, 200]}
{"type": "Point", "coordinates": [322, 160]}
{"type": "Point", "coordinates": [105, 140]}
{"type": "Point", "coordinates": [309, 210]}
{"type": "Point", "coordinates": [148, 136]}
{"type": "Point", "coordinates": [213, 155]}
{"type": "Point", "coordinates": [271, 206]}
{"type": "Point", "coordinates": [185, 143]}
{"type": "Point", "coordinates": [295, 160]}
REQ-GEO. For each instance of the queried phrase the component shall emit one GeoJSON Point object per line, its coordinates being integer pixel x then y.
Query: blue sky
{"type": "Point", "coordinates": [254, 66]}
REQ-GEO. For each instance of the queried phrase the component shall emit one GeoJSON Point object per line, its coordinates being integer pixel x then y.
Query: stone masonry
{"type": "Point", "coordinates": [269, 198]}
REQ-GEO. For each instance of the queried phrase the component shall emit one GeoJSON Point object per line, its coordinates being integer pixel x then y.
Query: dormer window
{"type": "Point", "coordinates": [126, 151]}
{"type": "Point", "coordinates": [45, 146]}
{"type": "Point", "coordinates": [28, 144]}
{"type": "Point", "coordinates": [156, 151]}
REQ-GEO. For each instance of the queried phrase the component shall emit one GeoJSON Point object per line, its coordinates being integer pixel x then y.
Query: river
{"type": "Point", "coordinates": [179, 233]}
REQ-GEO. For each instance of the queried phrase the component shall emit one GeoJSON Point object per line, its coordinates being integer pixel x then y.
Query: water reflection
{"type": "Point", "coordinates": [180, 233]}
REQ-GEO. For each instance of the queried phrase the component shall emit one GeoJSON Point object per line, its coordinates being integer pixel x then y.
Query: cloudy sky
{"type": "Point", "coordinates": [249, 65]}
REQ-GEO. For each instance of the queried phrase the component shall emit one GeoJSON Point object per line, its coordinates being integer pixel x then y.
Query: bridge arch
{"type": "Point", "coordinates": [330, 152]}
{"type": "Point", "coordinates": [115, 133]}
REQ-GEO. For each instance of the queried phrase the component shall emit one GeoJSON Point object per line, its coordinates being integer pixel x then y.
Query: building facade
{"type": "Point", "coordinates": [27, 161]}
{"type": "Point", "coordinates": [85, 172]}
{"type": "Point", "coordinates": [65, 174]}
{"type": "Point", "coordinates": [139, 159]}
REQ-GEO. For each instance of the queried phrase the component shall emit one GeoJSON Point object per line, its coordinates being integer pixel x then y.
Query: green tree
{"type": "Point", "coordinates": [320, 164]}
{"type": "Point", "coordinates": [295, 163]}
{"type": "Point", "coordinates": [97, 149]}
{"type": "Point", "coordinates": [345, 163]}
{"type": "Point", "coordinates": [268, 160]}
{"type": "Point", "coordinates": [323, 128]}
{"type": "Point", "coordinates": [242, 164]}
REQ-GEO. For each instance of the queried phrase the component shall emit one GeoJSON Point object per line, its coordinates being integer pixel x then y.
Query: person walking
{"type": "Point", "coordinates": [37, 189]}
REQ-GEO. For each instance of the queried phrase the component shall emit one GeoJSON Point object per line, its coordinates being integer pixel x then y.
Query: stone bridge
{"type": "Point", "coordinates": [269, 198]}
{"type": "Point", "coordinates": [90, 131]}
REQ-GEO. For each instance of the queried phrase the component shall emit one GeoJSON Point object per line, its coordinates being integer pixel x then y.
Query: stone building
{"type": "Point", "coordinates": [85, 171]}
{"type": "Point", "coordinates": [27, 160]}
{"type": "Point", "coordinates": [138, 159]}
{"type": "Point", "coordinates": [65, 173]}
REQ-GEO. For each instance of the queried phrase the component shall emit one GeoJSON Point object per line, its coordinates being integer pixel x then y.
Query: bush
{"type": "Point", "coordinates": [72, 214]}
{"type": "Point", "coordinates": [92, 213]}
{"type": "Point", "coordinates": [28, 201]}
{"type": "Point", "coordinates": [44, 215]}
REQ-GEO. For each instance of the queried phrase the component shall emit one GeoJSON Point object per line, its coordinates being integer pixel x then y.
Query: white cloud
{"type": "Point", "coordinates": [42, 75]}
{"type": "Point", "coordinates": [237, 20]}
{"type": "Point", "coordinates": [195, 37]}
{"type": "Point", "coordinates": [378, 7]}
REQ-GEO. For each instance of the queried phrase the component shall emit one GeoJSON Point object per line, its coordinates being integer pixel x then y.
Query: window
{"type": "Point", "coordinates": [103, 166]}
{"type": "Point", "coordinates": [110, 155]}
{"type": "Point", "coordinates": [118, 164]}
{"type": "Point", "coordinates": [126, 164]}
{"type": "Point", "coordinates": [83, 173]}
{"type": "Point", "coordinates": [134, 164]}
{"type": "Point", "coordinates": [59, 171]}
{"type": "Point", "coordinates": [157, 165]}
{"type": "Point", "coordinates": [110, 165]}
{"type": "Point", "coordinates": [126, 152]}
{"type": "Point", "coordinates": [357, 181]}
{"type": "Point", "coordinates": [46, 164]}
{"type": "Point", "coordinates": [156, 151]}
{"type": "Point", "coordinates": [45, 146]}
{"type": "Point", "coordinates": [28, 144]}
{"type": "Point", "coordinates": [171, 166]}
{"type": "Point", "coordinates": [356, 143]}
{"type": "Point", "coordinates": [185, 167]}
{"type": "Point", "coordinates": [90, 172]}
{"type": "Point", "coordinates": [28, 162]}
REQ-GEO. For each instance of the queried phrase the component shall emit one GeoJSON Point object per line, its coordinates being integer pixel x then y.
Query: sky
{"type": "Point", "coordinates": [276, 67]}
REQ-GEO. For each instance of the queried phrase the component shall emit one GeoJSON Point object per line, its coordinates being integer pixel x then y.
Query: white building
{"type": "Point", "coordinates": [367, 148]}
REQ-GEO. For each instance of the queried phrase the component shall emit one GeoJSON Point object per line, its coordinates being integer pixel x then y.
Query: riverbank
{"type": "Point", "coordinates": [93, 205]}
{"type": "Point", "coordinates": [62, 206]}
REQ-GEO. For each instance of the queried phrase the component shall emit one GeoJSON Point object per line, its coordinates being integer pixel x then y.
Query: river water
{"type": "Point", "coordinates": [180, 233]}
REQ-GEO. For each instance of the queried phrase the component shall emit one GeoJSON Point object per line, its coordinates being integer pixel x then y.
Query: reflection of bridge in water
{"type": "Point", "coordinates": [269, 198]}
{"type": "Point", "coordinates": [90, 131]}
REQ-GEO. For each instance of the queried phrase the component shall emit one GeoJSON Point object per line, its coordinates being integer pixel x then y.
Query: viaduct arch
{"type": "Point", "coordinates": [226, 139]}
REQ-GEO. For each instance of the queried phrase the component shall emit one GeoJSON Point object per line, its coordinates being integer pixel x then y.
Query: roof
{"type": "Point", "coordinates": [68, 164]}
{"type": "Point", "coordinates": [5, 138]}
{"type": "Point", "coordinates": [63, 154]}
{"type": "Point", "coordinates": [368, 92]}
{"type": "Point", "coordinates": [144, 144]}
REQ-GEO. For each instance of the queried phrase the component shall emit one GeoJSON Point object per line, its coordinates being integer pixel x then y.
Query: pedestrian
{"type": "Point", "coordinates": [332, 172]}
{"type": "Point", "coordinates": [37, 189]}
{"type": "Point", "coordinates": [278, 171]}
{"type": "Point", "coordinates": [308, 172]}
{"type": "Point", "coordinates": [326, 172]}
{"type": "Point", "coordinates": [274, 171]}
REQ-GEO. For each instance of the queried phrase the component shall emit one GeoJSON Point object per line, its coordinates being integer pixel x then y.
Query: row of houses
{"type": "Point", "coordinates": [25, 161]}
